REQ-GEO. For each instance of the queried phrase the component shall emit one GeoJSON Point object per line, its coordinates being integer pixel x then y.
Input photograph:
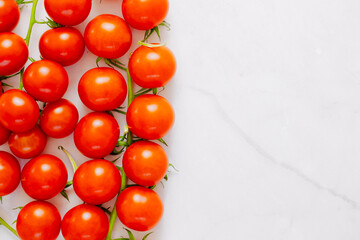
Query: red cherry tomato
{"type": "Point", "coordinates": [38, 220]}
{"type": "Point", "coordinates": [96, 135]}
{"type": "Point", "coordinates": [108, 36]}
{"type": "Point", "coordinates": [45, 80]}
{"type": "Point", "coordinates": [59, 119]}
{"type": "Point", "coordinates": [150, 116]}
{"type": "Point", "coordinates": [13, 53]}
{"type": "Point", "coordinates": [102, 89]}
{"type": "Point", "coordinates": [18, 111]}
{"type": "Point", "coordinates": [9, 173]}
{"type": "Point", "coordinates": [63, 45]}
{"type": "Point", "coordinates": [97, 181]}
{"type": "Point", "coordinates": [28, 144]}
{"type": "Point", "coordinates": [9, 15]}
{"type": "Point", "coordinates": [44, 177]}
{"type": "Point", "coordinates": [85, 222]}
{"type": "Point", "coordinates": [144, 14]}
{"type": "Point", "coordinates": [68, 12]}
{"type": "Point", "coordinates": [4, 134]}
{"type": "Point", "coordinates": [152, 67]}
{"type": "Point", "coordinates": [145, 163]}
{"type": "Point", "coordinates": [139, 208]}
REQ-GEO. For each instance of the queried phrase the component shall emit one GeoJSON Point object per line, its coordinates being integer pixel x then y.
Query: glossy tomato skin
{"type": "Point", "coordinates": [150, 116]}
{"type": "Point", "coordinates": [145, 163]}
{"type": "Point", "coordinates": [46, 80]}
{"type": "Point", "coordinates": [28, 144]}
{"type": "Point", "coordinates": [144, 14]}
{"type": "Point", "coordinates": [44, 177]}
{"type": "Point", "coordinates": [96, 135]}
{"type": "Point", "coordinates": [9, 15]}
{"type": "Point", "coordinates": [68, 12]}
{"type": "Point", "coordinates": [102, 89]}
{"type": "Point", "coordinates": [13, 53]}
{"type": "Point", "coordinates": [38, 220]}
{"type": "Point", "coordinates": [9, 173]}
{"type": "Point", "coordinates": [152, 67]}
{"type": "Point", "coordinates": [18, 111]}
{"type": "Point", "coordinates": [85, 222]}
{"type": "Point", "coordinates": [59, 119]}
{"type": "Point", "coordinates": [64, 45]}
{"type": "Point", "coordinates": [108, 36]}
{"type": "Point", "coordinates": [97, 181]}
{"type": "Point", "coordinates": [4, 134]}
{"type": "Point", "coordinates": [139, 208]}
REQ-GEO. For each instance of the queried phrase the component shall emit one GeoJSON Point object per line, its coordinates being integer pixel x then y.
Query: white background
{"type": "Point", "coordinates": [267, 134]}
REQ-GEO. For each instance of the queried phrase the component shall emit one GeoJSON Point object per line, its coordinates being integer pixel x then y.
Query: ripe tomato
{"type": "Point", "coordinates": [13, 53]}
{"type": "Point", "coordinates": [59, 119]}
{"type": "Point", "coordinates": [28, 144]}
{"type": "Point", "coordinates": [44, 177]}
{"type": "Point", "coordinates": [96, 135]}
{"type": "Point", "coordinates": [9, 15]}
{"type": "Point", "coordinates": [18, 111]}
{"type": "Point", "coordinates": [4, 134]}
{"type": "Point", "coordinates": [108, 36]}
{"type": "Point", "coordinates": [46, 80]}
{"type": "Point", "coordinates": [139, 208]}
{"type": "Point", "coordinates": [102, 89]}
{"type": "Point", "coordinates": [85, 222]}
{"type": "Point", "coordinates": [63, 45]}
{"type": "Point", "coordinates": [144, 14]}
{"type": "Point", "coordinates": [38, 220]}
{"type": "Point", "coordinates": [152, 67]}
{"type": "Point", "coordinates": [68, 12]}
{"type": "Point", "coordinates": [9, 173]}
{"type": "Point", "coordinates": [150, 116]}
{"type": "Point", "coordinates": [145, 163]}
{"type": "Point", "coordinates": [97, 181]}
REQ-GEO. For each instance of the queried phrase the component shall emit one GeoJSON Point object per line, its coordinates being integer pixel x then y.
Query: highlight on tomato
{"type": "Point", "coordinates": [9, 173]}
{"type": "Point", "coordinates": [9, 15]}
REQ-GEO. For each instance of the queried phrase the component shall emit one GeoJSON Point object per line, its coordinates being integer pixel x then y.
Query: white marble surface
{"type": "Point", "coordinates": [267, 100]}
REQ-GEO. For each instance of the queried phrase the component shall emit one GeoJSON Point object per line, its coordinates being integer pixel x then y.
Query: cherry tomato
{"type": "Point", "coordinates": [68, 12]}
{"type": "Point", "coordinates": [85, 222]}
{"type": "Point", "coordinates": [97, 181]}
{"type": "Point", "coordinates": [139, 208]}
{"type": "Point", "coordinates": [96, 135]}
{"type": "Point", "coordinates": [145, 163]}
{"type": "Point", "coordinates": [18, 111]}
{"type": "Point", "coordinates": [150, 116]}
{"type": "Point", "coordinates": [13, 53]}
{"type": "Point", "coordinates": [38, 220]}
{"type": "Point", "coordinates": [46, 80]}
{"type": "Point", "coordinates": [9, 15]}
{"type": "Point", "coordinates": [102, 89]}
{"type": "Point", "coordinates": [9, 173]}
{"type": "Point", "coordinates": [152, 67]}
{"type": "Point", "coordinates": [44, 177]}
{"type": "Point", "coordinates": [4, 134]}
{"type": "Point", "coordinates": [28, 144]}
{"type": "Point", "coordinates": [63, 45]}
{"type": "Point", "coordinates": [59, 119]}
{"type": "Point", "coordinates": [108, 36]}
{"type": "Point", "coordinates": [144, 14]}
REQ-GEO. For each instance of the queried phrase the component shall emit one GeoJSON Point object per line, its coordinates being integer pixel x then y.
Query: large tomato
{"type": "Point", "coordinates": [96, 135]}
{"type": "Point", "coordinates": [44, 177]}
{"type": "Point", "coordinates": [63, 45]}
{"type": "Point", "coordinates": [68, 12]}
{"type": "Point", "coordinates": [13, 53]}
{"type": "Point", "coordinates": [139, 208]}
{"type": "Point", "coordinates": [108, 36]}
{"type": "Point", "coordinates": [9, 173]}
{"type": "Point", "coordinates": [102, 89]}
{"type": "Point", "coordinates": [38, 220]}
{"type": "Point", "coordinates": [9, 15]}
{"type": "Point", "coordinates": [150, 116]}
{"type": "Point", "coordinates": [46, 80]}
{"type": "Point", "coordinates": [18, 111]}
{"type": "Point", "coordinates": [59, 119]}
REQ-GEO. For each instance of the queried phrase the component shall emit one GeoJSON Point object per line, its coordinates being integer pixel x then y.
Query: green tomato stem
{"type": "Point", "coordinates": [3, 222]}
{"type": "Point", "coordinates": [73, 163]}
